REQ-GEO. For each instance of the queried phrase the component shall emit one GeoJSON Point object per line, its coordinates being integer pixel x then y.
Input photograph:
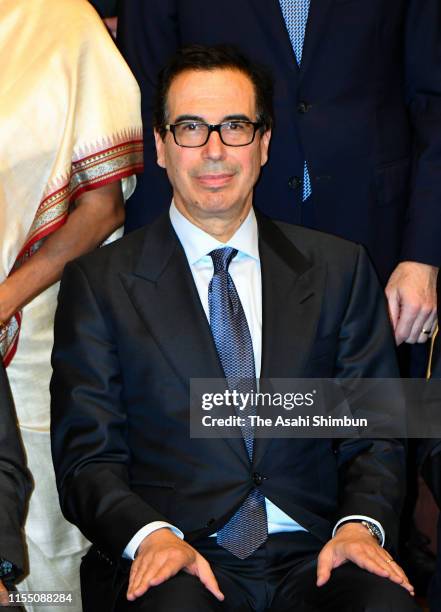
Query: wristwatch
{"type": "Point", "coordinates": [6, 568]}
{"type": "Point", "coordinates": [373, 530]}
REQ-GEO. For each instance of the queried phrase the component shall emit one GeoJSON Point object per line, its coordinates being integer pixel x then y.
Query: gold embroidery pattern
{"type": "Point", "coordinates": [9, 339]}
{"type": "Point", "coordinates": [117, 161]}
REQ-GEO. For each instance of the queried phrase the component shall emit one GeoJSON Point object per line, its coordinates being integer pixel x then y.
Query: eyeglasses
{"type": "Point", "coordinates": [197, 133]}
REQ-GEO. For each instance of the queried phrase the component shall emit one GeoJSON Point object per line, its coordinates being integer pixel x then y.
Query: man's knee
{"type": "Point", "coordinates": [386, 596]}
{"type": "Point", "coordinates": [376, 594]}
{"type": "Point", "coordinates": [182, 593]}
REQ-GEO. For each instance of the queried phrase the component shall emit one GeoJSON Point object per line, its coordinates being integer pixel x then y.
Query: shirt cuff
{"type": "Point", "coordinates": [358, 518]}
{"type": "Point", "coordinates": [132, 546]}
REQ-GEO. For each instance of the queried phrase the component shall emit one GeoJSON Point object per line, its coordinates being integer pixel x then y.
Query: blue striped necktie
{"type": "Point", "coordinates": [295, 13]}
{"type": "Point", "coordinates": [247, 529]}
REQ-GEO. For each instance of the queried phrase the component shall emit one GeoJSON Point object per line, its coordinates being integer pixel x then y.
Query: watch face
{"type": "Point", "coordinates": [5, 568]}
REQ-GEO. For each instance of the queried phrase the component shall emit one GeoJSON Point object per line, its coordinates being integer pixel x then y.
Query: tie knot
{"type": "Point", "coordinates": [222, 258]}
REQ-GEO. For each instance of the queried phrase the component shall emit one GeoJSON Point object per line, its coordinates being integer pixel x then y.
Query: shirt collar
{"type": "Point", "coordinates": [197, 243]}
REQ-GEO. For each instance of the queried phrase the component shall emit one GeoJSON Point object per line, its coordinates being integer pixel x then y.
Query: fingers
{"type": "Point", "coordinates": [407, 318]}
{"type": "Point", "coordinates": [423, 326]}
{"type": "Point", "coordinates": [427, 329]}
{"type": "Point", "coordinates": [142, 576]}
{"type": "Point", "coordinates": [394, 307]}
{"type": "Point", "coordinates": [162, 557]}
{"type": "Point", "coordinates": [4, 599]}
{"type": "Point", "coordinates": [153, 566]}
{"type": "Point", "coordinates": [324, 566]}
{"type": "Point", "coordinates": [203, 571]}
{"type": "Point", "coordinates": [394, 572]}
{"type": "Point", "coordinates": [412, 321]}
{"type": "Point", "coordinates": [353, 543]}
{"type": "Point", "coordinates": [378, 561]}
{"type": "Point", "coordinates": [151, 574]}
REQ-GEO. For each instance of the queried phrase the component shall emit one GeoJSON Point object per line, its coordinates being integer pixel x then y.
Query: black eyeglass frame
{"type": "Point", "coordinates": [170, 127]}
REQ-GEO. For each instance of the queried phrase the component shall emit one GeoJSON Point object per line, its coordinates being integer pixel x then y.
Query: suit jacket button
{"type": "Point", "coordinates": [258, 479]}
{"type": "Point", "coordinates": [210, 522]}
{"type": "Point", "coordinates": [294, 182]}
{"type": "Point", "coordinates": [303, 107]}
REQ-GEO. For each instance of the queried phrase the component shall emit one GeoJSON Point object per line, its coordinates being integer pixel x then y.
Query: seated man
{"type": "Point", "coordinates": [214, 290]}
{"type": "Point", "coordinates": [15, 486]}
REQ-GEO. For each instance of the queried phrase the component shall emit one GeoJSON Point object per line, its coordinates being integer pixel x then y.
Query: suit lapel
{"type": "Point", "coordinates": [163, 293]}
{"type": "Point", "coordinates": [273, 24]}
{"type": "Point", "coordinates": [271, 19]}
{"type": "Point", "coordinates": [317, 19]}
{"type": "Point", "coordinates": [292, 290]}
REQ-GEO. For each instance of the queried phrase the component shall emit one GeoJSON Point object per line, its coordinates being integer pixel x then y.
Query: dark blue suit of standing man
{"type": "Point", "coordinates": [358, 100]}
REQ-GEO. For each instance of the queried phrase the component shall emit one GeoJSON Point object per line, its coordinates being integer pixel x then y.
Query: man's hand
{"type": "Point", "coordinates": [3, 593]}
{"type": "Point", "coordinates": [411, 294]}
{"type": "Point", "coordinates": [353, 542]}
{"type": "Point", "coordinates": [160, 556]}
{"type": "Point", "coordinates": [111, 24]}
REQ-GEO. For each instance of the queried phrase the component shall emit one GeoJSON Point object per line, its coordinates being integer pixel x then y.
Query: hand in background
{"type": "Point", "coordinates": [112, 25]}
{"type": "Point", "coordinates": [411, 295]}
{"type": "Point", "coordinates": [3, 593]}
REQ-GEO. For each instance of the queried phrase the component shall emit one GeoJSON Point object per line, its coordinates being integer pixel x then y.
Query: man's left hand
{"type": "Point", "coordinates": [3, 594]}
{"type": "Point", "coordinates": [353, 542]}
{"type": "Point", "coordinates": [411, 295]}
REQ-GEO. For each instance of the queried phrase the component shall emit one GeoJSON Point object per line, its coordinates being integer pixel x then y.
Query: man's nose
{"type": "Point", "coordinates": [214, 147]}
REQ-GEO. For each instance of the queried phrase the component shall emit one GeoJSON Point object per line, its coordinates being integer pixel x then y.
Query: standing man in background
{"type": "Point", "coordinates": [356, 145]}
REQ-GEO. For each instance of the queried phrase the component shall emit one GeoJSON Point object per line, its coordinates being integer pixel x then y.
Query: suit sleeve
{"type": "Point", "coordinates": [89, 422]}
{"type": "Point", "coordinates": [148, 35]}
{"type": "Point", "coordinates": [15, 481]}
{"type": "Point", "coordinates": [423, 91]}
{"type": "Point", "coordinates": [371, 471]}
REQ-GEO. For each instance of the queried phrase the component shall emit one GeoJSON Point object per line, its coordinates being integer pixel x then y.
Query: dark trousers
{"type": "Point", "coordinates": [279, 577]}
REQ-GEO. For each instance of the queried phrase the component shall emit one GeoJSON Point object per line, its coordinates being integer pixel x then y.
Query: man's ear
{"type": "Point", "coordinates": [264, 145]}
{"type": "Point", "coordinates": [160, 149]}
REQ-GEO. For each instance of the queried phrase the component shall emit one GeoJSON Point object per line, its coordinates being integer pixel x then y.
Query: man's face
{"type": "Point", "coordinates": [215, 180]}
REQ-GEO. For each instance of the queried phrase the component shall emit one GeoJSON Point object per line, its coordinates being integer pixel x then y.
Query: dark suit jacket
{"type": "Point", "coordinates": [364, 110]}
{"type": "Point", "coordinates": [130, 332]}
{"type": "Point", "coordinates": [15, 481]}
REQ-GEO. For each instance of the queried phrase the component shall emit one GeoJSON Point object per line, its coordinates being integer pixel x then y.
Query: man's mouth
{"type": "Point", "coordinates": [214, 180]}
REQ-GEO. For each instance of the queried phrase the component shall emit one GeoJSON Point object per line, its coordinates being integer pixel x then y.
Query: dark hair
{"type": "Point", "coordinates": [200, 57]}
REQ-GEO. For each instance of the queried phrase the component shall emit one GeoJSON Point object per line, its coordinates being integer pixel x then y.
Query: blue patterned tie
{"type": "Point", "coordinates": [248, 527]}
{"type": "Point", "coordinates": [295, 13]}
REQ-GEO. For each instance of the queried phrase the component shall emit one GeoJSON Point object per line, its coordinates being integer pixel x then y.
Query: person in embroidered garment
{"type": "Point", "coordinates": [213, 289]}
{"type": "Point", "coordinates": [71, 144]}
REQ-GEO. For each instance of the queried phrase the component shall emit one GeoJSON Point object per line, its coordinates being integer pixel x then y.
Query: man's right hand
{"type": "Point", "coordinates": [162, 555]}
